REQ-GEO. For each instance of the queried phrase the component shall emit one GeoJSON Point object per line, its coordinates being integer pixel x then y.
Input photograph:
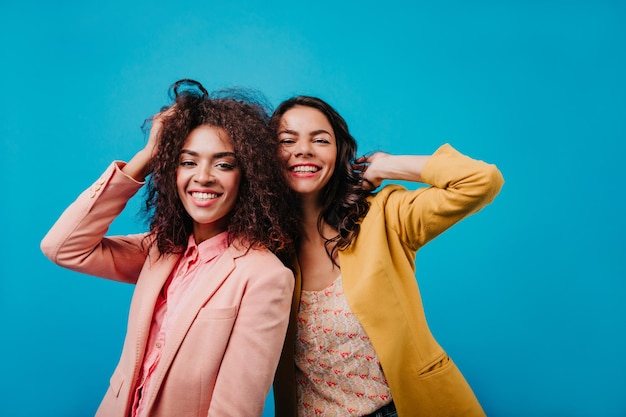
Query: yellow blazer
{"type": "Point", "coordinates": [220, 357]}
{"type": "Point", "coordinates": [378, 272]}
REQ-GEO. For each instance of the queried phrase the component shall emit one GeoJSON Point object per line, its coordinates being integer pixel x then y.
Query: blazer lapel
{"type": "Point", "coordinates": [148, 287]}
{"type": "Point", "coordinates": [210, 281]}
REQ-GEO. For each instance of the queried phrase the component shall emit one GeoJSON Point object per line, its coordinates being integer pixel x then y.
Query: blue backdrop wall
{"type": "Point", "coordinates": [527, 295]}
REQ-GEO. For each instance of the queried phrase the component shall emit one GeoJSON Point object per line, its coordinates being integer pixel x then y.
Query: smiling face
{"type": "Point", "coordinates": [208, 179]}
{"type": "Point", "coordinates": [307, 144]}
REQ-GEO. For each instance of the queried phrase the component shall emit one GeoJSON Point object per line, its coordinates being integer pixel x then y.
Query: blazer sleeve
{"type": "Point", "coordinates": [257, 338]}
{"type": "Point", "coordinates": [459, 187]}
{"type": "Point", "coordinates": [77, 240]}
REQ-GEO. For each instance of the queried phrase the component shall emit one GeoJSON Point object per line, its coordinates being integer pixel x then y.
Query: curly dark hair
{"type": "Point", "coordinates": [344, 200]}
{"type": "Point", "coordinates": [266, 212]}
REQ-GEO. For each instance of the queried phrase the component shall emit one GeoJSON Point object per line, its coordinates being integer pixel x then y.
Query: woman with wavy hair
{"type": "Point", "coordinates": [358, 343]}
{"type": "Point", "coordinates": [211, 302]}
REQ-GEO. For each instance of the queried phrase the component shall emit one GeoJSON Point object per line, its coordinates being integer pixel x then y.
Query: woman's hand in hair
{"type": "Point", "coordinates": [380, 166]}
{"type": "Point", "coordinates": [369, 168]}
{"type": "Point", "coordinates": [152, 146]}
{"type": "Point", "coordinates": [139, 166]}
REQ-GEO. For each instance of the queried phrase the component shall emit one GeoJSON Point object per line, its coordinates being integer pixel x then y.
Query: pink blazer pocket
{"type": "Point", "coordinates": [222, 313]}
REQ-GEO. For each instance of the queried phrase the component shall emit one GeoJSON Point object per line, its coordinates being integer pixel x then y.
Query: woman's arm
{"type": "Point", "coordinates": [381, 166]}
{"type": "Point", "coordinates": [459, 186]}
{"type": "Point", "coordinates": [77, 240]}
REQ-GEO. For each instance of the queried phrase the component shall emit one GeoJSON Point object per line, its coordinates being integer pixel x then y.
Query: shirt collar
{"type": "Point", "coordinates": [208, 249]}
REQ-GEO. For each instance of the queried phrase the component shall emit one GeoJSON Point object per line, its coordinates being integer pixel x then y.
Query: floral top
{"type": "Point", "coordinates": [337, 370]}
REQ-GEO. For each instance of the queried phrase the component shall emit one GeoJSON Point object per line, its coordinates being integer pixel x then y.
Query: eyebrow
{"type": "Point", "coordinates": [313, 133]}
{"type": "Point", "coordinates": [215, 155]}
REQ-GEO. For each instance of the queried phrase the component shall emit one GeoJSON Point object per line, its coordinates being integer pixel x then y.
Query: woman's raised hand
{"type": "Point", "coordinates": [368, 166]}
{"type": "Point", "coordinates": [152, 146]}
{"type": "Point", "coordinates": [139, 166]}
{"type": "Point", "coordinates": [380, 166]}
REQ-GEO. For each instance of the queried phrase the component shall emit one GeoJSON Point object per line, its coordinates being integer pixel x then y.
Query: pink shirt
{"type": "Point", "coordinates": [173, 296]}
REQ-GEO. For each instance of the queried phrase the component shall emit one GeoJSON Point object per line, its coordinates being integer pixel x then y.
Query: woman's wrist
{"type": "Point", "coordinates": [401, 167]}
{"type": "Point", "coordinates": [137, 167]}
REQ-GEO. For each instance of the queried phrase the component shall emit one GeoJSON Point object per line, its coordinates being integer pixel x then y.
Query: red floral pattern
{"type": "Point", "coordinates": [337, 370]}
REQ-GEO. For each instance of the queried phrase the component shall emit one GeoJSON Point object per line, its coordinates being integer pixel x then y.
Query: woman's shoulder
{"type": "Point", "coordinates": [255, 256]}
{"type": "Point", "coordinates": [262, 269]}
{"type": "Point", "coordinates": [390, 192]}
{"type": "Point", "coordinates": [386, 191]}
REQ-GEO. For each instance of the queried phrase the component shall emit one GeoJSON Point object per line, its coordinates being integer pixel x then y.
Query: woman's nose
{"type": "Point", "coordinates": [204, 175]}
{"type": "Point", "coordinates": [303, 148]}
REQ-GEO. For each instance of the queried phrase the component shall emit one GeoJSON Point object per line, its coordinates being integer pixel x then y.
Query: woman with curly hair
{"type": "Point", "coordinates": [211, 302]}
{"type": "Point", "coordinates": [358, 343]}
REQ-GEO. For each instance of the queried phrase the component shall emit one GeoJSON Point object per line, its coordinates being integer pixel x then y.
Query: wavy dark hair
{"type": "Point", "coordinates": [265, 214]}
{"type": "Point", "coordinates": [343, 199]}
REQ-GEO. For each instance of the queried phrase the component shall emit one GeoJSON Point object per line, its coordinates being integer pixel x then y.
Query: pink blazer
{"type": "Point", "coordinates": [221, 357]}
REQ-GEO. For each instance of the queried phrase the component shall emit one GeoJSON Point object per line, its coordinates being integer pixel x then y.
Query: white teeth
{"type": "Point", "coordinates": [305, 168]}
{"type": "Point", "coordinates": [203, 196]}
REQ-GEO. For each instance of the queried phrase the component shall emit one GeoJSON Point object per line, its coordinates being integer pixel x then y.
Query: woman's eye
{"type": "Point", "coordinates": [225, 165]}
{"type": "Point", "coordinates": [187, 163]}
{"type": "Point", "coordinates": [286, 141]}
{"type": "Point", "coordinates": [320, 140]}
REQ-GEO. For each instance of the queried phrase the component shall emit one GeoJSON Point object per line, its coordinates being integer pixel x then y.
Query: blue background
{"type": "Point", "coordinates": [527, 296]}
